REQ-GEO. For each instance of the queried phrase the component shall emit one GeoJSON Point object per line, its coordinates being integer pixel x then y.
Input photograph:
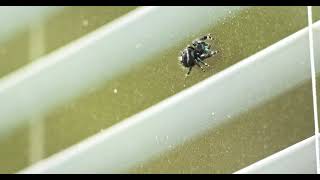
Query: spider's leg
{"type": "Point", "coordinates": [201, 39]}
{"type": "Point", "coordinates": [202, 62]}
{"type": "Point", "coordinates": [190, 68]}
{"type": "Point", "coordinates": [212, 53]}
{"type": "Point", "coordinates": [190, 47]}
{"type": "Point", "coordinates": [215, 52]}
{"type": "Point", "coordinates": [197, 63]}
{"type": "Point", "coordinates": [195, 42]}
{"type": "Point", "coordinates": [208, 36]}
{"type": "Point", "coordinates": [205, 56]}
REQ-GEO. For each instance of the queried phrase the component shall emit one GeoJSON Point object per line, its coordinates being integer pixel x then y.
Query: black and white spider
{"type": "Point", "coordinates": [197, 53]}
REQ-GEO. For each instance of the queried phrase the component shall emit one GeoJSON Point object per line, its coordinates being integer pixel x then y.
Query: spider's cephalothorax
{"type": "Point", "coordinates": [197, 53]}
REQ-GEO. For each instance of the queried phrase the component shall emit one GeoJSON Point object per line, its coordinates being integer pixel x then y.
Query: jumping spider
{"type": "Point", "coordinates": [195, 54]}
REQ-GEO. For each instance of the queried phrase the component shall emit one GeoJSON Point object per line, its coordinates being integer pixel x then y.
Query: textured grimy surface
{"type": "Point", "coordinates": [280, 122]}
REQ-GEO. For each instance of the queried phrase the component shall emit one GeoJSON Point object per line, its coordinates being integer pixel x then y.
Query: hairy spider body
{"type": "Point", "coordinates": [188, 57]}
{"type": "Point", "coordinates": [197, 53]}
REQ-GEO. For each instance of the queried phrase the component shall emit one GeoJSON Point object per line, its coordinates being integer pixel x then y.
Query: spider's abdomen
{"type": "Point", "coordinates": [187, 57]}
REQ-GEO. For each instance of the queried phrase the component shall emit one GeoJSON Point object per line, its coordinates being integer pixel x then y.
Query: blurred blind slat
{"type": "Point", "coordinates": [14, 19]}
{"type": "Point", "coordinates": [298, 158]}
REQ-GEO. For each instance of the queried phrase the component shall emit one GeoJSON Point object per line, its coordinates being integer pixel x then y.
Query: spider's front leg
{"type": "Point", "coordinates": [205, 56]}
{"type": "Point", "coordinates": [196, 42]}
{"type": "Point", "coordinates": [209, 54]}
{"type": "Point", "coordinates": [208, 36]}
{"type": "Point", "coordinates": [214, 52]}
{"type": "Point", "coordinates": [201, 39]}
{"type": "Point", "coordinates": [197, 63]}
{"type": "Point", "coordinates": [202, 62]}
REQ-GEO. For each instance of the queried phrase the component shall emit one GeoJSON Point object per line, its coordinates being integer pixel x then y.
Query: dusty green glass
{"type": "Point", "coordinates": [269, 127]}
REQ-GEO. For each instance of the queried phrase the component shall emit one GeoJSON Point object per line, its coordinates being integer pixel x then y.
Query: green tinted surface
{"type": "Point", "coordinates": [14, 53]}
{"type": "Point", "coordinates": [237, 37]}
{"type": "Point", "coordinates": [77, 21]}
{"type": "Point", "coordinates": [69, 25]}
{"type": "Point", "coordinates": [14, 152]}
{"type": "Point", "coordinates": [315, 13]}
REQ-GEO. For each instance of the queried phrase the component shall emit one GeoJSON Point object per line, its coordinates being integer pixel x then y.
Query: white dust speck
{"type": "Point", "coordinates": [212, 114]}
{"type": "Point", "coordinates": [85, 23]}
{"type": "Point", "coordinates": [115, 91]}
